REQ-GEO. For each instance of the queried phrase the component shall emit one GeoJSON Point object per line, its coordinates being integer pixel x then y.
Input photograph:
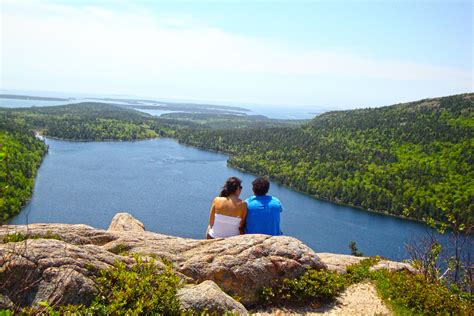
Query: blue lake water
{"type": "Point", "coordinates": [169, 187]}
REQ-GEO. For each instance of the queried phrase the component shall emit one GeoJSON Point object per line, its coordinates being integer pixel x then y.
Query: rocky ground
{"type": "Point", "coordinates": [62, 270]}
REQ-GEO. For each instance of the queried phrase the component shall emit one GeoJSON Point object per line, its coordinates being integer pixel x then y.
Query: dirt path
{"type": "Point", "coordinates": [358, 299]}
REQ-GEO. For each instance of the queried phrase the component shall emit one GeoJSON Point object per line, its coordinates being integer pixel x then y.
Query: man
{"type": "Point", "coordinates": [263, 211]}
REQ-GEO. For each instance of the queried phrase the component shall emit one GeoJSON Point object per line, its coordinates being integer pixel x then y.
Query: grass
{"type": "Point", "coordinates": [18, 237]}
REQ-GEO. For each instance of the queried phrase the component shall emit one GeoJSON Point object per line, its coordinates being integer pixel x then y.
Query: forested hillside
{"type": "Point", "coordinates": [21, 153]}
{"type": "Point", "coordinates": [414, 159]}
{"type": "Point", "coordinates": [226, 121]}
{"type": "Point", "coordinates": [20, 157]}
{"type": "Point", "coordinates": [86, 121]}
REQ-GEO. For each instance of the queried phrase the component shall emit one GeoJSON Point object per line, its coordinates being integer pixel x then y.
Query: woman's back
{"type": "Point", "coordinates": [230, 206]}
{"type": "Point", "coordinates": [227, 217]}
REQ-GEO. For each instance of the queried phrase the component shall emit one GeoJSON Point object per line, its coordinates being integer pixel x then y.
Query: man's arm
{"type": "Point", "coordinates": [242, 221]}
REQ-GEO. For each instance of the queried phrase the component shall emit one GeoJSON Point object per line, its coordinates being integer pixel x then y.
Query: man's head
{"type": "Point", "coordinates": [261, 185]}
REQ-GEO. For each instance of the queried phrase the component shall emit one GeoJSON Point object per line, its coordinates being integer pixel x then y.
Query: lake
{"type": "Point", "coordinates": [169, 187]}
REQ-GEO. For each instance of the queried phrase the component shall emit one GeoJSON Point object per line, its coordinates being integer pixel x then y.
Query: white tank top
{"type": "Point", "coordinates": [225, 226]}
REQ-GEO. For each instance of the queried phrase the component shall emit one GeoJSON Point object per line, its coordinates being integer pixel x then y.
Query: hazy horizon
{"type": "Point", "coordinates": [303, 54]}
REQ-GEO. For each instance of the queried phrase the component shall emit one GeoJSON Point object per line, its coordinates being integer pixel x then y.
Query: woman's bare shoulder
{"type": "Point", "coordinates": [219, 200]}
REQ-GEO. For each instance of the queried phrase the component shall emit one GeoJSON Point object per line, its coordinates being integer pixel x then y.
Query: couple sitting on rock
{"type": "Point", "coordinates": [231, 216]}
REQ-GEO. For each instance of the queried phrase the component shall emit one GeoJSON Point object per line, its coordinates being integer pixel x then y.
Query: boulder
{"type": "Point", "coordinates": [239, 265]}
{"type": "Point", "coordinates": [208, 297]}
{"type": "Point", "coordinates": [393, 266]}
{"type": "Point", "coordinates": [51, 270]}
{"type": "Point", "coordinates": [338, 262]}
{"type": "Point", "coordinates": [126, 222]}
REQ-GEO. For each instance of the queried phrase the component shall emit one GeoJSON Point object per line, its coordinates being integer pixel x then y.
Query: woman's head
{"type": "Point", "coordinates": [231, 186]}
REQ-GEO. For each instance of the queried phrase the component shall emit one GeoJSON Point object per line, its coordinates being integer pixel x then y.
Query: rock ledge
{"type": "Point", "coordinates": [62, 271]}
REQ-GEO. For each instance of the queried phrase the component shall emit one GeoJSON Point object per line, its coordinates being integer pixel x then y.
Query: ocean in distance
{"type": "Point", "coordinates": [170, 186]}
{"type": "Point", "coordinates": [289, 113]}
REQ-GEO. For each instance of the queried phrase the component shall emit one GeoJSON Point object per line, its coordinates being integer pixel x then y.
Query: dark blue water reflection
{"type": "Point", "coordinates": [169, 187]}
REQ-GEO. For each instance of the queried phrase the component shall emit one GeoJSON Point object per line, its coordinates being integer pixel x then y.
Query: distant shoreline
{"type": "Point", "coordinates": [29, 97]}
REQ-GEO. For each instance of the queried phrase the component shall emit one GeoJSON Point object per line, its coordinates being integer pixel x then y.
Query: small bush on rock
{"type": "Point", "coordinates": [359, 272]}
{"type": "Point", "coordinates": [140, 289]}
{"type": "Point", "coordinates": [18, 237]}
{"type": "Point", "coordinates": [317, 285]}
{"type": "Point", "coordinates": [312, 285]}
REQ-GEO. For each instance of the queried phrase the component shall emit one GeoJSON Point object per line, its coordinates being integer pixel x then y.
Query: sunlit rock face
{"type": "Point", "coordinates": [60, 264]}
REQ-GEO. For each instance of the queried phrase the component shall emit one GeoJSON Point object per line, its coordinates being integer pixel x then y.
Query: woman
{"type": "Point", "coordinates": [228, 211]}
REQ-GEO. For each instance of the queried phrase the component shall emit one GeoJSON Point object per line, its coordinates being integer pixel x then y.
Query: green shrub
{"type": "Point", "coordinates": [140, 289]}
{"type": "Point", "coordinates": [414, 294]}
{"type": "Point", "coordinates": [317, 285]}
{"type": "Point", "coordinates": [15, 237]}
{"type": "Point", "coordinates": [354, 250]}
{"type": "Point", "coordinates": [359, 272]}
{"type": "Point", "coordinates": [120, 249]}
{"type": "Point", "coordinates": [312, 285]}
{"type": "Point", "coordinates": [405, 292]}
{"type": "Point", "coordinates": [18, 237]}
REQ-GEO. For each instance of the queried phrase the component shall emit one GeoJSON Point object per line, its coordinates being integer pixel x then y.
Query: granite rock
{"type": "Point", "coordinates": [208, 297]}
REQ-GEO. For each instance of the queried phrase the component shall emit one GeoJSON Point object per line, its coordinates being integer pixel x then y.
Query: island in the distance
{"type": "Point", "coordinates": [29, 97]}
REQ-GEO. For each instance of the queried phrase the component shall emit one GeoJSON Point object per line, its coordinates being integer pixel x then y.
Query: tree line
{"type": "Point", "coordinates": [413, 159]}
{"type": "Point", "coordinates": [21, 154]}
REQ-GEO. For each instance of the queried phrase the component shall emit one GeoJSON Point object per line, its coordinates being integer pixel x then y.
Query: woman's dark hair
{"type": "Point", "coordinates": [261, 185]}
{"type": "Point", "coordinates": [231, 185]}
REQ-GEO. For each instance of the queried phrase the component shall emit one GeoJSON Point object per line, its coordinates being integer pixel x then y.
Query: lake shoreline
{"type": "Point", "coordinates": [89, 182]}
{"type": "Point", "coordinates": [247, 171]}
{"type": "Point", "coordinates": [310, 195]}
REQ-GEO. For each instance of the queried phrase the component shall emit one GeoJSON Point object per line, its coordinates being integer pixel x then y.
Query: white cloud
{"type": "Point", "coordinates": [127, 48]}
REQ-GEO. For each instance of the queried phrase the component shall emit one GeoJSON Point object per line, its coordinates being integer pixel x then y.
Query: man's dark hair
{"type": "Point", "coordinates": [261, 185]}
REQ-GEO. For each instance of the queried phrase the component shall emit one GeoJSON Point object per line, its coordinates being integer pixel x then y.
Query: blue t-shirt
{"type": "Point", "coordinates": [263, 215]}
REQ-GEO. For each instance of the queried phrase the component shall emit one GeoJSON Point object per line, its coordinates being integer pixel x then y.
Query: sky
{"type": "Point", "coordinates": [340, 54]}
